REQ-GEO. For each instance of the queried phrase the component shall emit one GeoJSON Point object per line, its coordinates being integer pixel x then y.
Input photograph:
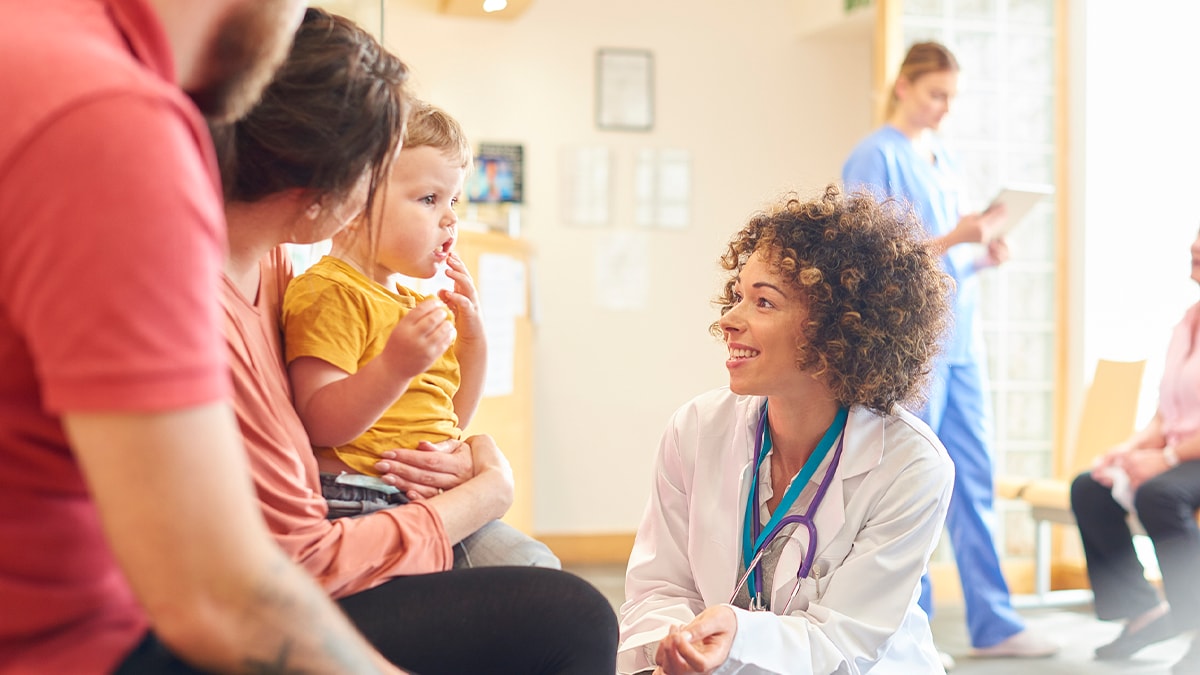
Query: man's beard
{"type": "Point", "coordinates": [250, 43]}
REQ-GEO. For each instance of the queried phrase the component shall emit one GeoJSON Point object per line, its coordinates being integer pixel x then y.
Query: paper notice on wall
{"type": "Point", "coordinates": [502, 297]}
{"type": "Point", "coordinates": [586, 186]}
{"type": "Point", "coordinates": [502, 286]}
{"type": "Point", "coordinates": [663, 189]}
{"type": "Point", "coordinates": [622, 271]}
{"type": "Point", "coordinates": [502, 350]}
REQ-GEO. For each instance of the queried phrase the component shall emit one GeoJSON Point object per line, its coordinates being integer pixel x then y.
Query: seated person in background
{"type": "Point", "coordinates": [1158, 464]}
{"type": "Point", "coordinates": [297, 168]}
{"type": "Point", "coordinates": [793, 513]}
{"type": "Point", "coordinates": [375, 365]}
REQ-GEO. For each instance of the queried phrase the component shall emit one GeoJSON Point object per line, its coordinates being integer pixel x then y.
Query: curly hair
{"type": "Point", "coordinates": [878, 301]}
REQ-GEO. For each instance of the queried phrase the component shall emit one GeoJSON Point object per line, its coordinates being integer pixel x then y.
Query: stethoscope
{"type": "Point", "coordinates": [756, 540]}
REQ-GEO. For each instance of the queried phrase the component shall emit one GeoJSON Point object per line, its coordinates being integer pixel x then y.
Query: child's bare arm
{"type": "Point", "coordinates": [471, 346]}
{"type": "Point", "coordinates": [337, 407]}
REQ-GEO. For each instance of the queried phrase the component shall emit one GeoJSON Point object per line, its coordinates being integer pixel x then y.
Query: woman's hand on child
{"type": "Point", "coordinates": [419, 339]}
{"type": "Point", "coordinates": [429, 469]}
{"type": "Point", "coordinates": [463, 300]}
{"type": "Point", "coordinates": [435, 467]}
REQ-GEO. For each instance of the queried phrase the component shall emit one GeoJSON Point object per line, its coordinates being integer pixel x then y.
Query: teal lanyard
{"type": "Point", "coordinates": [753, 539]}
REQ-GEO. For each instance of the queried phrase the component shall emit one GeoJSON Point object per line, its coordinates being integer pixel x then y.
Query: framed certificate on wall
{"type": "Point", "coordinates": [625, 89]}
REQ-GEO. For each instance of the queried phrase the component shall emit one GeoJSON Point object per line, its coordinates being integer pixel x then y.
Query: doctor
{"type": "Point", "coordinates": [793, 513]}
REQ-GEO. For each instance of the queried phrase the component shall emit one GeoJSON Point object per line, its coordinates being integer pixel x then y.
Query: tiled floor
{"type": "Point", "coordinates": [1076, 629]}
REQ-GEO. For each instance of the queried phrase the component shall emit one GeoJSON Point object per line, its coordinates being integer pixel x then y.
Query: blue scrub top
{"type": "Point", "coordinates": [887, 164]}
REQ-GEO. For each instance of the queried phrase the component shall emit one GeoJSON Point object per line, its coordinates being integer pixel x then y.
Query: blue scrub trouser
{"type": "Point", "coordinates": [958, 411]}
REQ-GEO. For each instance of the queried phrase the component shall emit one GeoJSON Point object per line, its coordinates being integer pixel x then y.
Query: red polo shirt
{"type": "Point", "coordinates": [111, 243]}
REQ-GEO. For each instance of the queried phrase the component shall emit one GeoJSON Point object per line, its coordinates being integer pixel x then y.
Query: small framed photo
{"type": "Point", "coordinates": [499, 175]}
{"type": "Point", "coordinates": [625, 89]}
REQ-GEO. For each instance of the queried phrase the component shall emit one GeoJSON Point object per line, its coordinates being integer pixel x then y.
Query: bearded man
{"type": "Point", "coordinates": [132, 540]}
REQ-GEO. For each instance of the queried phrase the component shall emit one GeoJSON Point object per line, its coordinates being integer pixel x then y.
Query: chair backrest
{"type": "Point", "coordinates": [1110, 408]}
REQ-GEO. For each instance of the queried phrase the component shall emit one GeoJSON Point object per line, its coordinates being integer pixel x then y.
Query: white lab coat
{"type": "Point", "coordinates": [876, 529]}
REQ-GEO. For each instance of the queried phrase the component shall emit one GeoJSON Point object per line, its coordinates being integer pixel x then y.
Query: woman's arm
{"type": "Point", "coordinates": [973, 228]}
{"type": "Point", "coordinates": [1149, 436]}
{"type": "Point", "coordinates": [486, 496]}
{"type": "Point", "coordinates": [871, 169]}
{"type": "Point", "coordinates": [1152, 456]}
{"type": "Point", "coordinates": [348, 555]}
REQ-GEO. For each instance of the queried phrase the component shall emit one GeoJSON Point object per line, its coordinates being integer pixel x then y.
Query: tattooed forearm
{"type": "Point", "coordinates": [311, 633]}
{"type": "Point", "coordinates": [280, 666]}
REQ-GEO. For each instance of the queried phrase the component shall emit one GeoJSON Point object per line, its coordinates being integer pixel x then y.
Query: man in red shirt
{"type": "Point", "coordinates": [131, 536]}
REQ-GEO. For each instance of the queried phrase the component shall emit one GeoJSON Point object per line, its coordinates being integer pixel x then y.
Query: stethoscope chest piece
{"type": "Point", "coordinates": [757, 538]}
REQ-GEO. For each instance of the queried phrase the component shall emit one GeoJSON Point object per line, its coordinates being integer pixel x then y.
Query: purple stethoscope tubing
{"type": "Point", "coordinates": [805, 519]}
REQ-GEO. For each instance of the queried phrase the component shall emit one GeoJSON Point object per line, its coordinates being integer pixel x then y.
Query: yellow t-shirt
{"type": "Point", "coordinates": [334, 313]}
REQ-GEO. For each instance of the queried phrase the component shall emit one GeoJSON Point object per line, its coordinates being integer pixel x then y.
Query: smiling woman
{"type": "Point", "coordinates": [832, 318]}
{"type": "Point", "coordinates": [860, 289]}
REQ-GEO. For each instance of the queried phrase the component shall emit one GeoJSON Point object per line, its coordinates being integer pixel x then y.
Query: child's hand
{"type": "Point", "coordinates": [463, 300]}
{"type": "Point", "coordinates": [424, 334]}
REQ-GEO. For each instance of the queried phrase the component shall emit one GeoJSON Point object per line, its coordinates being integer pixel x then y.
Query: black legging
{"type": "Point", "coordinates": [493, 620]}
{"type": "Point", "coordinates": [1166, 506]}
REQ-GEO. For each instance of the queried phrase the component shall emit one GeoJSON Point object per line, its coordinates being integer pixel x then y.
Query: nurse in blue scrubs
{"type": "Point", "coordinates": [905, 159]}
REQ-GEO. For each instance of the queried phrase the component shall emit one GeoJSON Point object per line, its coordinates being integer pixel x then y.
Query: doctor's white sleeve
{"type": "Point", "coordinates": [659, 588]}
{"type": "Point", "coordinates": [861, 617]}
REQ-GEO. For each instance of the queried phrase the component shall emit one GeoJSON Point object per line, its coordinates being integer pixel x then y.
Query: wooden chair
{"type": "Point", "coordinates": [1109, 413]}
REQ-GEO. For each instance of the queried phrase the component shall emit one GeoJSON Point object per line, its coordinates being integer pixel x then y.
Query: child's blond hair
{"type": "Point", "coordinates": [430, 126]}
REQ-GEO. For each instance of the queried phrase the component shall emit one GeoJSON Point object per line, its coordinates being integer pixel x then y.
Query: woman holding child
{"type": "Point", "coordinates": [298, 168]}
{"type": "Point", "coordinates": [793, 513]}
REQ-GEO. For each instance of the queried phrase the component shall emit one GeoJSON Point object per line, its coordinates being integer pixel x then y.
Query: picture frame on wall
{"type": "Point", "coordinates": [624, 89]}
{"type": "Point", "coordinates": [499, 175]}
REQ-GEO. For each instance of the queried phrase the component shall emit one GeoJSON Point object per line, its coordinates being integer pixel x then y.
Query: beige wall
{"type": "Point", "coordinates": [760, 109]}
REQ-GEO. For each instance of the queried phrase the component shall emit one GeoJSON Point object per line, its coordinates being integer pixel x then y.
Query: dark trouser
{"type": "Point", "coordinates": [1166, 506]}
{"type": "Point", "coordinates": [492, 620]}
{"type": "Point", "coordinates": [151, 657]}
